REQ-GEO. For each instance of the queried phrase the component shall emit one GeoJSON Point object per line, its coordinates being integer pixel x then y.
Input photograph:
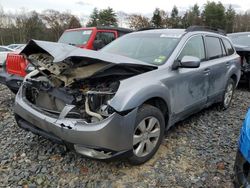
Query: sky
{"type": "Point", "coordinates": [85, 7]}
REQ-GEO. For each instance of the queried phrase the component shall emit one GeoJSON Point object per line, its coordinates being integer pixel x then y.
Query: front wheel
{"type": "Point", "coordinates": [148, 134]}
{"type": "Point", "coordinates": [228, 94]}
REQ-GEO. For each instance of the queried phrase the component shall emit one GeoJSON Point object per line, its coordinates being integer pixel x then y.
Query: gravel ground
{"type": "Point", "coordinates": [198, 152]}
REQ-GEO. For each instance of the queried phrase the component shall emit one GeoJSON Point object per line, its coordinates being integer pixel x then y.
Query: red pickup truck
{"type": "Point", "coordinates": [16, 66]}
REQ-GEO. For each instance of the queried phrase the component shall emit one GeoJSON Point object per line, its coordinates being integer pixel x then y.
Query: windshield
{"type": "Point", "coordinates": [75, 38]}
{"type": "Point", "coordinates": [240, 39]}
{"type": "Point", "coordinates": [153, 48]}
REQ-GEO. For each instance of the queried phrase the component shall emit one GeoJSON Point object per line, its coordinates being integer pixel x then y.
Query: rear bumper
{"type": "Point", "coordinates": [11, 81]}
{"type": "Point", "coordinates": [106, 139]}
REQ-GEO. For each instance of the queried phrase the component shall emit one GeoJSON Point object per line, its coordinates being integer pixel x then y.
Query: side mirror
{"type": "Point", "coordinates": [189, 62]}
{"type": "Point", "coordinates": [98, 44]}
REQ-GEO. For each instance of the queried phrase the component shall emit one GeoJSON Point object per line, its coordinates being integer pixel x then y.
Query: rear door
{"type": "Point", "coordinates": [217, 61]}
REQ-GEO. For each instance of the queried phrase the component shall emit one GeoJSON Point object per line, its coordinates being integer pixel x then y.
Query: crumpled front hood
{"type": "Point", "coordinates": [61, 51]}
{"type": "Point", "coordinates": [71, 64]}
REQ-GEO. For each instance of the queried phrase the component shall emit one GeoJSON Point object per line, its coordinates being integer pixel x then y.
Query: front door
{"type": "Point", "coordinates": [190, 85]}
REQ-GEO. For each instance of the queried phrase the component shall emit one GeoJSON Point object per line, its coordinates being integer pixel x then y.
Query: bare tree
{"type": "Point", "coordinates": [1, 23]}
{"type": "Point", "coordinates": [136, 21]}
{"type": "Point", "coordinates": [58, 22]}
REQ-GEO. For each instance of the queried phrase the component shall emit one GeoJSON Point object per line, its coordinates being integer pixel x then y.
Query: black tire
{"type": "Point", "coordinates": [248, 82]}
{"type": "Point", "coordinates": [13, 90]}
{"type": "Point", "coordinates": [148, 111]}
{"type": "Point", "coordinates": [223, 105]}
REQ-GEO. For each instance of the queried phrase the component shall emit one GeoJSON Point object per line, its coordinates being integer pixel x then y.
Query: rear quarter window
{"type": "Point", "coordinates": [106, 37]}
{"type": "Point", "coordinates": [214, 48]}
{"type": "Point", "coordinates": [229, 48]}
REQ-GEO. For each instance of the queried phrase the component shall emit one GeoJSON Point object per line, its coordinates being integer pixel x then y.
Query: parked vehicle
{"type": "Point", "coordinates": [3, 54]}
{"type": "Point", "coordinates": [94, 38]}
{"type": "Point", "coordinates": [12, 77]}
{"type": "Point", "coordinates": [241, 42]}
{"type": "Point", "coordinates": [15, 46]}
{"type": "Point", "coordinates": [117, 102]}
{"type": "Point", "coordinates": [242, 161]}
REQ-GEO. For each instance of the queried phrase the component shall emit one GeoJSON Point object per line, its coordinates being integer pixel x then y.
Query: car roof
{"type": "Point", "coordinates": [238, 33]}
{"type": "Point", "coordinates": [120, 29]}
{"type": "Point", "coordinates": [178, 33]}
{"type": "Point", "coordinates": [6, 48]}
{"type": "Point", "coordinates": [163, 31]}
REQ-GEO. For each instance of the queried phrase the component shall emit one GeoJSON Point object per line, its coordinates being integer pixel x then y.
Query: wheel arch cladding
{"type": "Point", "coordinates": [234, 77]}
{"type": "Point", "coordinates": [161, 104]}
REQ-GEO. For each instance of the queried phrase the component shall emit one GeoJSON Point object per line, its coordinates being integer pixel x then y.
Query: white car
{"type": "Point", "coordinates": [3, 54]}
{"type": "Point", "coordinates": [15, 46]}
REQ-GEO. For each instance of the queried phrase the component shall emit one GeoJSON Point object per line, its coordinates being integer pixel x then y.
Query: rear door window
{"type": "Point", "coordinates": [106, 37]}
{"type": "Point", "coordinates": [224, 53]}
{"type": "Point", "coordinates": [228, 47]}
{"type": "Point", "coordinates": [214, 49]}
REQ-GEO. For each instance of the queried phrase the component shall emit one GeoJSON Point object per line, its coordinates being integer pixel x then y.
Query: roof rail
{"type": "Point", "coordinates": [115, 28]}
{"type": "Point", "coordinates": [149, 28]}
{"type": "Point", "coordinates": [205, 28]}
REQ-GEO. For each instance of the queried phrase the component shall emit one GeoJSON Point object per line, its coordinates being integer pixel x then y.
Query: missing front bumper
{"type": "Point", "coordinates": [115, 133]}
{"type": "Point", "coordinates": [96, 153]}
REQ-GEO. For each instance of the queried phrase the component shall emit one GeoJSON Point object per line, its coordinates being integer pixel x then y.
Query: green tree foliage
{"type": "Point", "coordinates": [157, 20]}
{"type": "Point", "coordinates": [94, 18]}
{"type": "Point", "coordinates": [230, 18]}
{"type": "Point", "coordinates": [194, 16]}
{"type": "Point", "coordinates": [107, 17]}
{"type": "Point", "coordinates": [214, 15]}
{"type": "Point", "coordinates": [175, 20]}
{"type": "Point", "coordinates": [104, 17]}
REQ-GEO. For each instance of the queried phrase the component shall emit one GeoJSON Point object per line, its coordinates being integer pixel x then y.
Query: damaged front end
{"type": "Point", "coordinates": [67, 98]}
{"type": "Point", "coordinates": [83, 99]}
{"type": "Point", "coordinates": [79, 86]}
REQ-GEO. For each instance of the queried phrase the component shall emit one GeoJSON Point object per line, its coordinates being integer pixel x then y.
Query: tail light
{"type": "Point", "coordinates": [16, 64]}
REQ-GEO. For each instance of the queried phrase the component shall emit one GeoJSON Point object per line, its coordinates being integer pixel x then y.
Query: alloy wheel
{"type": "Point", "coordinates": [228, 94]}
{"type": "Point", "coordinates": [146, 136]}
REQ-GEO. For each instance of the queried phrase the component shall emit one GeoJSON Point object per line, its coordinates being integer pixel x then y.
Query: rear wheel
{"type": "Point", "coordinates": [148, 134]}
{"type": "Point", "coordinates": [228, 94]}
{"type": "Point", "coordinates": [14, 90]}
{"type": "Point", "coordinates": [248, 82]}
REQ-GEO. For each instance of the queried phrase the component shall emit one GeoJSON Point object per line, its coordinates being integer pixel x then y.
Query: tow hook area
{"type": "Point", "coordinates": [92, 152]}
{"type": "Point", "coordinates": [65, 126]}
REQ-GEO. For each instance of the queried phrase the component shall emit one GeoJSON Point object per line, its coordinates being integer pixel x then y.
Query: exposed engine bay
{"type": "Point", "coordinates": [82, 85]}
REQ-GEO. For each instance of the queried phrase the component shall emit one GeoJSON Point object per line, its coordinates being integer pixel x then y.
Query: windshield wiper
{"type": "Point", "coordinates": [72, 44]}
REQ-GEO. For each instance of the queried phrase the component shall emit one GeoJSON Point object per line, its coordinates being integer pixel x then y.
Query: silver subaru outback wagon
{"type": "Point", "coordinates": [117, 102]}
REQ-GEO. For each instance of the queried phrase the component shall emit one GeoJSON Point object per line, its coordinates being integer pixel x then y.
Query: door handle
{"type": "Point", "coordinates": [206, 71]}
